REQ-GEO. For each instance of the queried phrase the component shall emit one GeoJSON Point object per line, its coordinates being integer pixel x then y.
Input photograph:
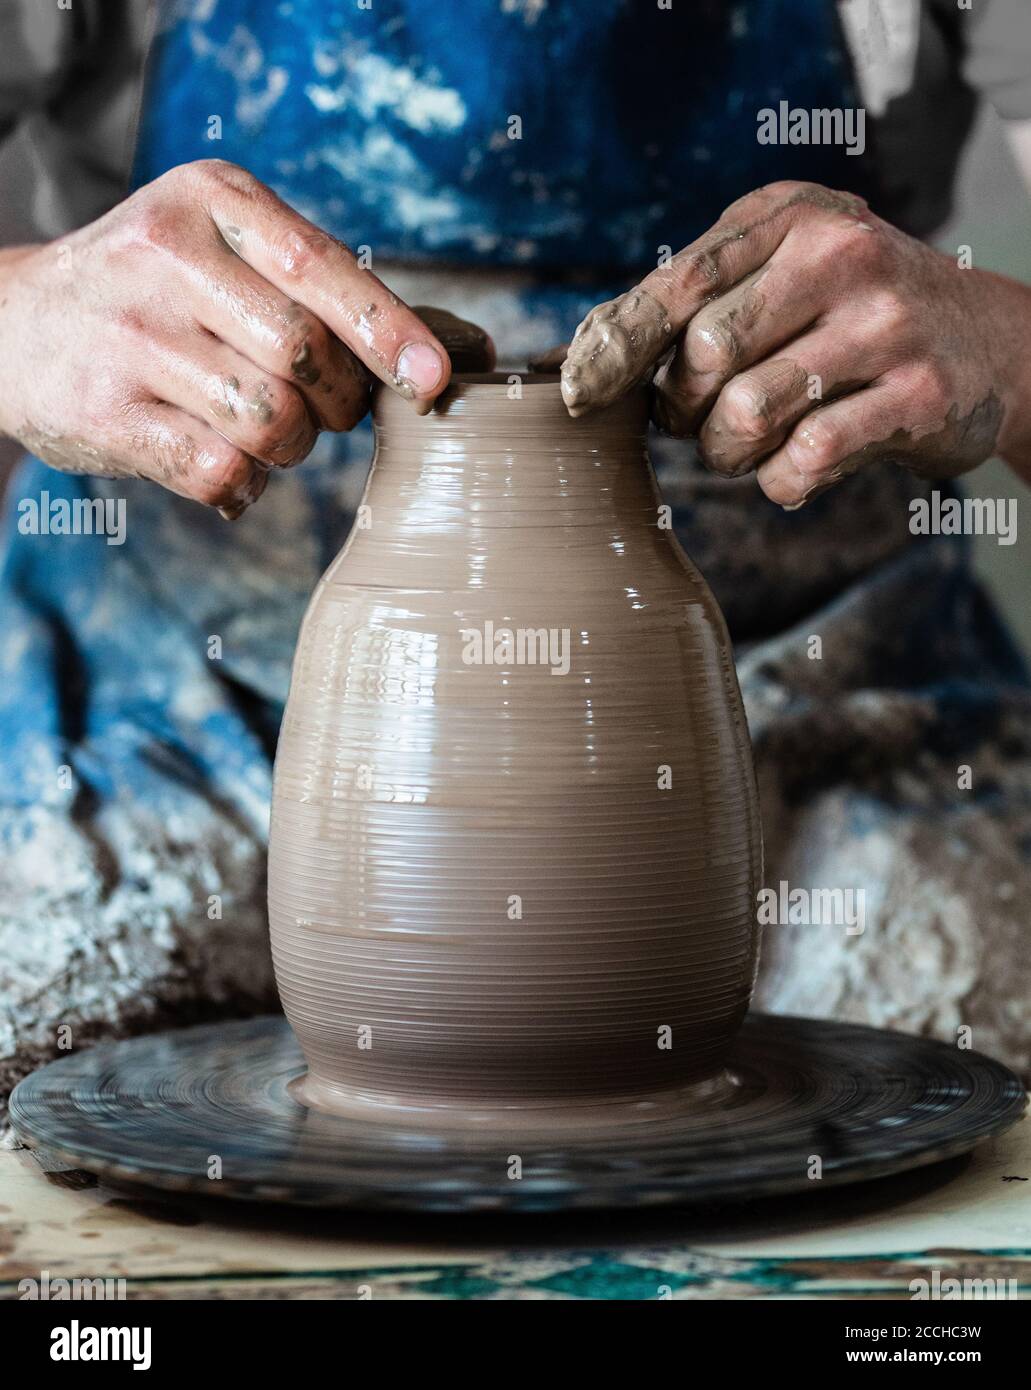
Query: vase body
{"type": "Point", "coordinates": [515, 842]}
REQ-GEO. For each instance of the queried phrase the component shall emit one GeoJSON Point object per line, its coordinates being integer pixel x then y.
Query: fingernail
{"type": "Point", "coordinates": [233, 237]}
{"type": "Point", "coordinates": [248, 495]}
{"type": "Point", "coordinates": [419, 367]}
{"type": "Point", "coordinates": [303, 368]}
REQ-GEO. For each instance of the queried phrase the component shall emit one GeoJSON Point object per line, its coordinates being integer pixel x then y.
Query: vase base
{"type": "Point", "coordinates": [560, 1116]}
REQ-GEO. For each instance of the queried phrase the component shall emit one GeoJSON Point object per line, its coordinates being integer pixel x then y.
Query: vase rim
{"type": "Point", "coordinates": [491, 390]}
{"type": "Point", "coordinates": [486, 382]}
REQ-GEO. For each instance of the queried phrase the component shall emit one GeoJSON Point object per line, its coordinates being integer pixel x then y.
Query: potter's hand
{"type": "Point", "coordinates": [199, 334]}
{"type": "Point", "coordinates": [809, 338]}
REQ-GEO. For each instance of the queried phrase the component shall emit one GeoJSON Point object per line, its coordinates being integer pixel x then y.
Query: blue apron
{"type": "Point", "coordinates": [582, 134]}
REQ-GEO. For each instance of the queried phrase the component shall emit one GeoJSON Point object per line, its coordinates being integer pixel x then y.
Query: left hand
{"type": "Point", "coordinates": [811, 338]}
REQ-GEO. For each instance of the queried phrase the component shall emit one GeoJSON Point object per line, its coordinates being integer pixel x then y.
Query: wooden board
{"type": "Point", "coordinates": [966, 1218]}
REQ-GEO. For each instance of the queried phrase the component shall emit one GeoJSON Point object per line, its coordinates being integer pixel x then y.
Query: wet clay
{"type": "Point", "coordinates": [615, 346]}
{"type": "Point", "coordinates": [500, 884]}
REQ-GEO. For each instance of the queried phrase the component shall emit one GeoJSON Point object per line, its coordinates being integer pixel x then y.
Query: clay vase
{"type": "Point", "coordinates": [515, 843]}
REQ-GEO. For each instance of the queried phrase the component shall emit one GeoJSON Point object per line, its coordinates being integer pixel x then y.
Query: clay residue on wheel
{"type": "Point", "coordinates": [617, 344]}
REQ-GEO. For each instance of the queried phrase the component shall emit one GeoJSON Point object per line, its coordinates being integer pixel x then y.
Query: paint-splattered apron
{"type": "Point", "coordinates": [556, 149]}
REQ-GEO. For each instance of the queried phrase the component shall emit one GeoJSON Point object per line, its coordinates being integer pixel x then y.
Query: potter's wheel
{"type": "Point", "coordinates": [868, 1103]}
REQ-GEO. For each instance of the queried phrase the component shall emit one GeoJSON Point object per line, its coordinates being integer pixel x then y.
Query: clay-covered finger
{"type": "Point", "coordinates": [756, 409]}
{"type": "Point", "coordinates": [310, 266]}
{"type": "Point", "coordinates": [615, 346]}
{"type": "Point", "coordinates": [619, 343]}
{"type": "Point", "coordinates": [285, 339]}
{"type": "Point", "coordinates": [190, 458]}
{"type": "Point", "coordinates": [729, 334]}
{"type": "Point", "coordinates": [261, 414]}
{"type": "Point", "coordinates": [830, 443]}
{"type": "Point", "coordinates": [909, 416]}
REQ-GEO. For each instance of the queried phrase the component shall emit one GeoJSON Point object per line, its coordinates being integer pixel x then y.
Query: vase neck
{"type": "Point", "coordinates": [500, 452]}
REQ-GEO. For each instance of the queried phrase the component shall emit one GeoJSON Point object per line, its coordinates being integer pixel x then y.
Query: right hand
{"type": "Point", "coordinates": [199, 334]}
